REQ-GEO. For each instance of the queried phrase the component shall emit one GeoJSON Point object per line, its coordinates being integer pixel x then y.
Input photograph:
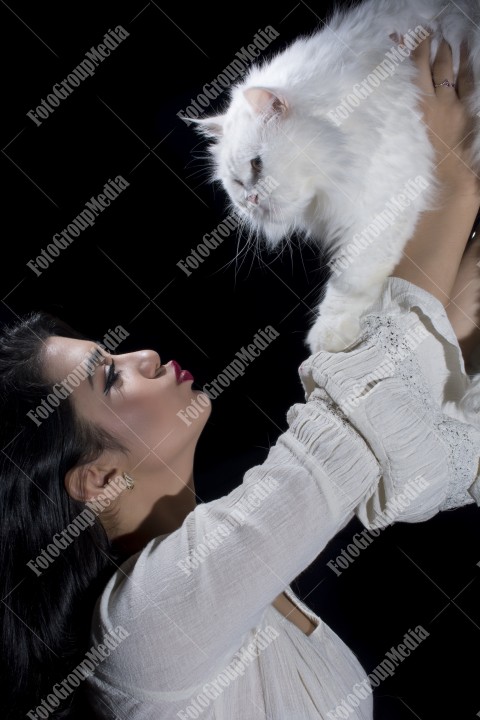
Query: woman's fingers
{"type": "Point", "coordinates": [465, 79]}
{"type": "Point", "coordinates": [442, 69]}
{"type": "Point", "coordinates": [421, 57]}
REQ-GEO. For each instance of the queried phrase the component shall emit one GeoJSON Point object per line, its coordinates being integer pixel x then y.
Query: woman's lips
{"type": "Point", "coordinates": [181, 375]}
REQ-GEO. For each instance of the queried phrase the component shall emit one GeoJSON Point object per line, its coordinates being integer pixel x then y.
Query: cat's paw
{"type": "Point", "coordinates": [333, 333]}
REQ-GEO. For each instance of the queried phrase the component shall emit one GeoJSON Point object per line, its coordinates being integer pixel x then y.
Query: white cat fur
{"type": "Point", "coordinates": [335, 179]}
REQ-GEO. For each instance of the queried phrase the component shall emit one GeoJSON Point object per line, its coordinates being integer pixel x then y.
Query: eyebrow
{"type": "Point", "coordinates": [90, 359]}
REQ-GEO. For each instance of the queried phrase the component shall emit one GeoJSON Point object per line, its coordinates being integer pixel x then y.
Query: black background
{"type": "Point", "coordinates": [123, 271]}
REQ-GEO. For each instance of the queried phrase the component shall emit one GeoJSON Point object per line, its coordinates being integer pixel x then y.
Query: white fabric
{"type": "Point", "coordinates": [406, 339]}
{"type": "Point", "coordinates": [188, 630]}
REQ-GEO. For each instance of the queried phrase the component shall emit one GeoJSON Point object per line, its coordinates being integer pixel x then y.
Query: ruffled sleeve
{"type": "Point", "coordinates": [406, 358]}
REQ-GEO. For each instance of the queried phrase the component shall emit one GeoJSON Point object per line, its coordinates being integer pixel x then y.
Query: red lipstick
{"type": "Point", "coordinates": [181, 375]}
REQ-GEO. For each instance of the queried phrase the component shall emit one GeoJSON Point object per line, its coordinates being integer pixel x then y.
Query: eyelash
{"type": "Point", "coordinates": [112, 377]}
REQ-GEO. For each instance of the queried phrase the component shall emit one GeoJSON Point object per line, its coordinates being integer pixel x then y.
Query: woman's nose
{"type": "Point", "coordinates": [148, 362]}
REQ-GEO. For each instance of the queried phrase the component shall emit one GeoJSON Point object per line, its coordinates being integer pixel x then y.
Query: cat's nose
{"type": "Point", "coordinates": [253, 198]}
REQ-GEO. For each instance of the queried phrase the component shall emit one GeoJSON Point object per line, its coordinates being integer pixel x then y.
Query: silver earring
{"type": "Point", "coordinates": [130, 482]}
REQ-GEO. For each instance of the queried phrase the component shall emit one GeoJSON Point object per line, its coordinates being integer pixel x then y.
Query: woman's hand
{"type": "Point", "coordinates": [432, 256]}
{"type": "Point", "coordinates": [445, 113]}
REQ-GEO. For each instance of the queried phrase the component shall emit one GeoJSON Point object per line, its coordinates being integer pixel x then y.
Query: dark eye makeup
{"type": "Point", "coordinates": [112, 377]}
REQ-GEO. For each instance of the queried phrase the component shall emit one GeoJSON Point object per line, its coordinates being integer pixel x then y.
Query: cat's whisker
{"type": "Point", "coordinates": [242, 246]}
{"type": "Point", "coordinates": [201, 171]}
{"type": "Point", "coordinates": [250, 240]}
{"type": "Point", "coordinates": [201, 154]}
{"type": "Point", "coordinates": [245, 256]}
{"type": "Point", "coordinates": [199, 162]}
{"type": "Point", "coordinates": [240, 249]}
{"type": "Point", "coordinates": [246, 243]}
{"type": "Point", "coordinates": [200, 157]}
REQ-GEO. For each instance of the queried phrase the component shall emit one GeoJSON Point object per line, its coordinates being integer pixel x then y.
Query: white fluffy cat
{"type": "Point", "coordinates": [325, 139]}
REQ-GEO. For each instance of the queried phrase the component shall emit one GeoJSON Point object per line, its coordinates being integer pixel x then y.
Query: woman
{"type": "Point", "coordinates": [195, 617]}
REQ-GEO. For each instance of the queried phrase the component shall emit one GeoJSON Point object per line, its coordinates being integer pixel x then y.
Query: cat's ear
{"type": "Point", "coordinates": [210, 127]}
{"type": "Point", "coordinates": [265, 102]}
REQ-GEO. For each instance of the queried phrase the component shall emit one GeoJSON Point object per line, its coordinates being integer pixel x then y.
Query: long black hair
{"type": "Point", "coordinates": [44, 618]}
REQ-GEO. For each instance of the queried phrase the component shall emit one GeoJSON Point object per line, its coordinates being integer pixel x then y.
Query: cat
{"type": "Point", "coordinates": [331, 127]}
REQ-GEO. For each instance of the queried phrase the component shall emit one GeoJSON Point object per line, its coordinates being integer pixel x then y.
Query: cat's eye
{"type": "Point", "coordinates": [238, 182]}
{"type": "Point", "coordinates": [256, 164]}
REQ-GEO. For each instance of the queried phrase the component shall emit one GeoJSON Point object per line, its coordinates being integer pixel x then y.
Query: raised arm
{"type": "Point", "coordinates": [192, 595]}
{"type": "Point", "coordinates": [433, 255]}
{"type": "Point", "coordinates": [188, 599]}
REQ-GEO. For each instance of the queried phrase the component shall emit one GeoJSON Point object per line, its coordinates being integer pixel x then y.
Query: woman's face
{"type": "Point", "coordinates": [147, 406]}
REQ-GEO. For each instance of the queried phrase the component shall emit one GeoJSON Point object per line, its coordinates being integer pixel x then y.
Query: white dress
{"type": "Point", "coordinates": [199, 637]}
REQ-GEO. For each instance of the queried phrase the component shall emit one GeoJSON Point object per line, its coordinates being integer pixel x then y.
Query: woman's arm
{"type": "Point", "coordinates": [463, 310]}
{"type": "Point", "coordinates": [190, 598]}
{"type": "Point", "coordinates": [432, 257]}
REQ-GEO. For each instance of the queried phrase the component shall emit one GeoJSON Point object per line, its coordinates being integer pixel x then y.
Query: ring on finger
{"type": "Point", "coordinates": [444, 83]}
